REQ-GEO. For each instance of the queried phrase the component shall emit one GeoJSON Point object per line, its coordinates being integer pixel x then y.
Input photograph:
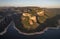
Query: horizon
{"type": "Point", "coordinates": [25, 3]}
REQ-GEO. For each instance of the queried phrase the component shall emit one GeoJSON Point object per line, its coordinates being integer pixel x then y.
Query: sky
{"type": "Point", "coordinates": [39, 3]}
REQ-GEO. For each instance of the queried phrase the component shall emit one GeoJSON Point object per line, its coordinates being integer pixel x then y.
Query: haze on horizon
{"type": "Point", "coordinates": [39, 3]}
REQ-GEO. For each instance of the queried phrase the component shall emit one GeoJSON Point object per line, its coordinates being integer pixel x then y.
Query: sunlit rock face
{"type": "Point", "coordinates": [29, 21]}
{"type": "Point", "coordinates": [41, 13]}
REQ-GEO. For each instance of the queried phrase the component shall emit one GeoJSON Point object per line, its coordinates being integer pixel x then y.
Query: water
{"type": "Point", "coordinates": [13, 34]}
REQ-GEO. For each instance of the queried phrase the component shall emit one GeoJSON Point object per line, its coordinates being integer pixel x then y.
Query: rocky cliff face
{"type": "Point", "coordinates": [29, 20]}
